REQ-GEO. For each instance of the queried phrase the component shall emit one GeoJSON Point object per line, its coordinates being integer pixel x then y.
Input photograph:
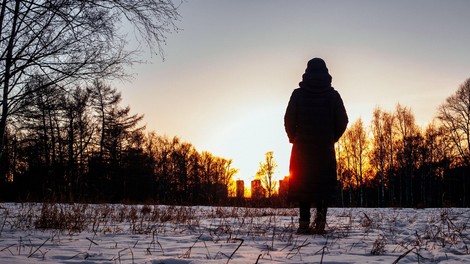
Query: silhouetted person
{"type": "Point", "coordinates": [315, 119]}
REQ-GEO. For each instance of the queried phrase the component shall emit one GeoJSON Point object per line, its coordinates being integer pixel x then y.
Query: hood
{"type": "Point", "coordinates": [316, 77]}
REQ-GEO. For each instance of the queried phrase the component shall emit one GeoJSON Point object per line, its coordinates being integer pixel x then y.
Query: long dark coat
{"type": "Point", "coordinates": [314, 120]}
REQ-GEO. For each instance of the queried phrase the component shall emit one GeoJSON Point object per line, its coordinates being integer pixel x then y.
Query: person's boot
{"type": "Point", "coordinates": [304, 228]}
{"type": "Point", "coordinates": [320, 222]}
{"type": "Point", "coordinates": [319, 228]}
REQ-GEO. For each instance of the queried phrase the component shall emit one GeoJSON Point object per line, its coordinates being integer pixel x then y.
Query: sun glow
{"type": "Point", "coordinates": [245, 138]}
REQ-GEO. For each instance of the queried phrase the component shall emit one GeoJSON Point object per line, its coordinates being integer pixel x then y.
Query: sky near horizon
{"type": "Point", "coordinates": [228, 74]}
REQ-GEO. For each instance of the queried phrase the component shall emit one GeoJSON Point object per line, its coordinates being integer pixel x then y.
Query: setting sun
{"type": "Point", "coordinates": [251, 135]}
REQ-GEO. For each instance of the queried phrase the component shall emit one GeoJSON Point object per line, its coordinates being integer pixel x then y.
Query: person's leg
{"type": "Point", "coordinates": [320, 217]}
{"type": "Point", "coordinates": [304, 211]}
{"type": "Point", "coordinates": [304, 219]}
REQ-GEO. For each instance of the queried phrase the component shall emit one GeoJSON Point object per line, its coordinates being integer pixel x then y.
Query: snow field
{"type": "Point", "coordinates": [115, 233]}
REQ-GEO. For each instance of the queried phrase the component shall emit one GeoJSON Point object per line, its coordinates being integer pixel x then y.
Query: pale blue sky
{"type": "Point", "coordinates": [229, 72]}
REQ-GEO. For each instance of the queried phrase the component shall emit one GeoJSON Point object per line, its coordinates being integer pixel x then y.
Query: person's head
{"type": "Point", "coordinates": [316, 74]}
{"type": "Point", "coordinates": [316, 65]}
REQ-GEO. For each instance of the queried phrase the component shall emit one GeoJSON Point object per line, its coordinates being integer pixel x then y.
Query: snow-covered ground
{"type": "Point", "coordinates": [33, 233]}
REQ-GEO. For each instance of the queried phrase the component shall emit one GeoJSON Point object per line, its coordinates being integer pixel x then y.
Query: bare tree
{"type": "Point", "coordinates": [408, 140]}
{"type": "Point", "coordinates": [454, 115]}
{"type": "Point", "coordinates": [266, 172]}
{"type": "Point", "coordinates": [104, 99]}
{"type": "Point", "coordinates": [63, 42]}
{"type": "Point", "coordinates": [382, 149]}
{"type": "Point", "coordinates": [77, 119]}
{"type": "Point", "coordinates": [227, 173]}
{"type": "Point", "coordinates": [436, 157]}
{"type": "Point", "coordinates": [343, 168]}
{"type": "Point", "coordinates": [356, 147]}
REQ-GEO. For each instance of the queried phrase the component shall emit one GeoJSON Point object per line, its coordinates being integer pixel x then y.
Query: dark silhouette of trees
{"type": "Point", "coordinates": [454, 116]}
{"type": "Point", "coordinates": [354, 155]}
{"type": "Point", "coordinates": [407, 165]}
{"type": "Point", "coordinates": [407, 144]}
{"type": "Point", "coordinates": [54, 44]}
{"type": "Point", "coordinates": [185, 175]}
{"type": "Point", "coordinates": [119, 137]}
{"type": "Point", "coordinates": [63, 134]}
{"type": "Point", "coordinates": [381, 156]}
{"type": "Point", "coordinates": [80, 144]}
{"type": "Point", "coordinates": [434, 164]}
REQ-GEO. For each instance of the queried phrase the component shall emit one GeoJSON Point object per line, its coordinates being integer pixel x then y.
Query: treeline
{"type": "Point", "coordinates": [394, 162]}
{"type": "Point", "coordinates": [81, 145]}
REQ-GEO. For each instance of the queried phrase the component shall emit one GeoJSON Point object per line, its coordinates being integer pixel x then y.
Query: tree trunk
{"type": "Point", "coordinates": [6, 84]}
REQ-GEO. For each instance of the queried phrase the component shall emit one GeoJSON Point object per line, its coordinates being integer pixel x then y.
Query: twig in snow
{"type": "Point", "coordinates": [19, 246]}
{"type": "Point", "coordinates": [298, 249]}
{"type": "Point", "coordinates": [188, 252]}
{"type": "Point", "coordinates": [259, 256]}
{"type": "Point", "coordinates": [357, 243]}
{"type": "Point", "coordinates": [367, 222]}
{"type": "Point", "coordinates": [155, 241]}
{"type": "Point", "coordinates": [322, 254]}
{"type": "Point", "coordinates": [119, 254]}
{"type": "Point", "coordinates": [85, 255]}
{"type": "Point", "coordinates": [4, 221]}
{"type": "Point", "coordinates": [325, 247]}
{"type": "Point", "coordinates": [38, 247]}
{"type": "Point", "coordinates": [274, 234]}
{"type": "Point", "coordinates": [8, 248]}
{"type": "Point", "coordinates": [240, 239]}
{"type": "Point", "coordinates": [378, 247]}
{"type": "Point", "coordinates": [91, 241]}
{"type": "Point", "coordinates": [402, 256]}
{"type": "Point", "coordinates": [208, 253]}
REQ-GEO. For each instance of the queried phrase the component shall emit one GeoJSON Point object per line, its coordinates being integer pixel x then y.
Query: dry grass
{"type": "Point", "coordinates": [233, 227]}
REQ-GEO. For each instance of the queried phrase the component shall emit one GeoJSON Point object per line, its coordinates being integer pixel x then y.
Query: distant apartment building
{"type": "Point", "coordinates": [257, 190]}
{"type": "Point", "coordinates": [240, 189]}
{"type": "Point", "coordinates": [284, 186]}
